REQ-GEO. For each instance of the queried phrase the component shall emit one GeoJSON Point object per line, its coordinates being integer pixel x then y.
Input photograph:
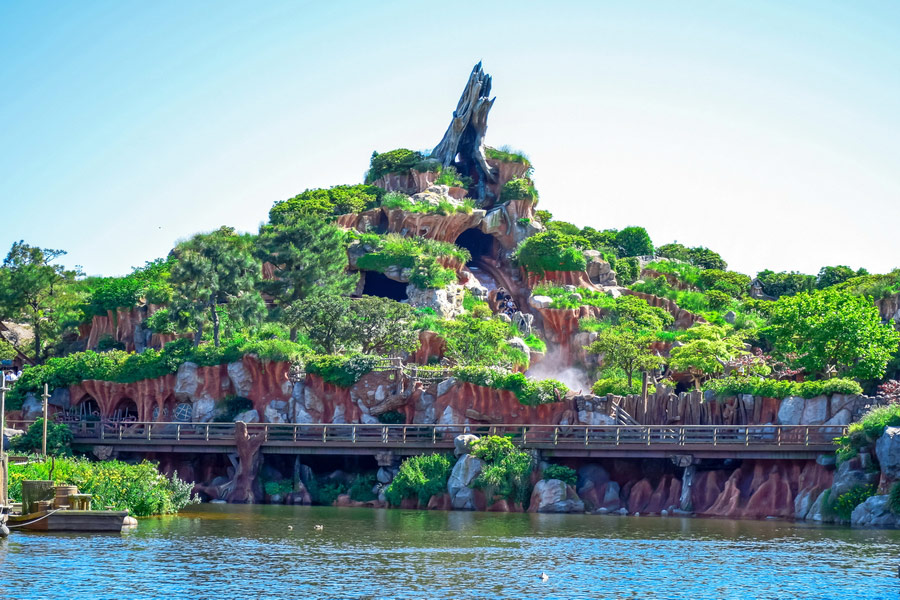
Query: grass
{"type": "Point", "coordinates": [507, 154]}
{"type": "Point", "coordinates": [563, 299]}
{"type": "Point", "coordinates": [398, 201]}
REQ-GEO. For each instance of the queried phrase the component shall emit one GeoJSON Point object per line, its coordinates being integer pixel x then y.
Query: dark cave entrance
{"type": "Point", "coordinates": [478, 243]}
{"type": "Point", "coordinates": [377, 284]}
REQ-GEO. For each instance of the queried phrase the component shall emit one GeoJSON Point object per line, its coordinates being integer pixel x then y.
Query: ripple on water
{"type": "Point", "coordinates": [248, 552]}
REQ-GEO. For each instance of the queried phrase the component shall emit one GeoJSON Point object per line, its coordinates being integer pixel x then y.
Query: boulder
{"type": "Point", "coordinates": [730, 317]}
{"type": "Point", "coordinates": [274, 415]}
{"type": "Point", "coordinates": [554, 496]}
{"type": "Point", "coordinates": [248, 416]}
{"type": "Point", "coordinates": [32, 407]}
{"type": "Point", "coordinates": [815, 412]}
{"type": "Point", "coordinates": [519, 344]}
{"type": "Point", "coordinates": [815, 510]}
{"type": "Point", "coordinates": [540, 301]}
{"type": "Point", "coordinates": [464, 499]}
{"type": "Point", "coordinates": [462, 443]}
{"type": "Point", "coordinates": [841, 417]}
{"type": "Point", "coordinates": [849, 475]}
{"type": "Point", "coordinates": [887, 449]}
{"type": "Point", "coordinates": [446, 302]}
{"type": "Point", "coordinates": [874, 512]}
{"type": "Point", "coordinates": [241, 380]}
{"type": "Point", "coordinates": [203, 409]}
{"type": "Point", "coordinates": [791, 410]}
{"type": "Point", "coordinates": [464, 472]}
{"type": "Point", "coordinates": [60, 398]}
{"type": "Point", "coordinates": [385, 475]}
{"type": "Point", "coordinates": [523, 322]}
{"type": "Point", "coordinates": [186, 381]}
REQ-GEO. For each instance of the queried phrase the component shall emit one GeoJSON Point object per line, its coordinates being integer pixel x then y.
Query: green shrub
{"type": "Point", "coordinates": [391, 417]}
{"type": "Point", "coordinates": [563, 299]}
{"type": "Point", "coordinates": [140, 489]}
{"type": "Point", "coordinates": [342, 371]}
{"type": "Point", "coordinates": [338, 200]}
{"type": "Point", "coordinates": [418, 253]}
{"type": "Point", "coordinates": [846, 502]}
{"type": "Point", "coordinates": [327, 491]}
{"type": "Point", "coordinates": [616, 385]}
{"type": "Point", "coordinates": [772, 388]}
{"type": "Point", "coordinates": [420, 477]}
{"type": "Point", "coordinates": [894, 500]}
{"type": "Point", "coordinates": [394, 161]}
{"type": "Point", "coordinates": [59, 439]}
{"type": "Point", "coordinates": [361, 489]}
{"type": "Point", "coordinates": [535, 343]}
{"type": "Point", "coordinates": [518, 189]}
{"type": "Point", "coordinates": [272, 488]}
{"type": "Point", "coordinates": [634, 241]}
{"type": "Point", "coordinates": [398, 201]}
{"type": "Point", "coordinates": [563, 473]}
{"type": "Point", "coordinates": [150, 282]}
{"type": "Point", "coordinates": [530, 392]}
{"type": "Point", "coordinates": [627, 270]}
{"type": "Point", "coordinates": [507, 154]}
{"type": "Point", "coordinates": [550, 251]}
{"type": "Point", "coordinates": [506, 471]}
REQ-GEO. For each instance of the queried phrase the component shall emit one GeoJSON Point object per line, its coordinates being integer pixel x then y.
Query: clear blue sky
{"type": "Point", "coordinates": [768, 131]}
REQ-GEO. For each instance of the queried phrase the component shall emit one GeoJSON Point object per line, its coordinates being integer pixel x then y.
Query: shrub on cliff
{"type": "Point", "coordinates": [327, 203]}
{"type": "Point", "coordinates": [773, 388]}
{"type": "Point", "coordinates": [420, 477]}
{"type": "Point", "coordinates": [416, 253]}
{"type": "Point", "coordinates": [150, 282]}
{"type": "Point", "coordinates": [393, 161]}
{"type": "Point", "coordinates": [506, 469]}
{"type": "Point", "coordinates": [634, 241]}
{"type": "Point", "coordinates": [846, 502]}
{"type": "Point", "coordinates": [398, 201]}
{"type": "Point", "coordinates": [518, 189]}
{"type": "Point", "coordinates": [550, 251]}
{"type": "Point", "coordinates": [342, 371]}
{"type": "Point", "coordinates": [530, 392]}
{"type": "Point", "coordinates": [507, 154]}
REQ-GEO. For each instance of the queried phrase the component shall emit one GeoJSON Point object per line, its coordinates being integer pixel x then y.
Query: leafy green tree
{"type": "Point", "coordinates": [472, 341]}
{"type": "Point", "coordinates": [383, 326]}
{"type": "Point", "coordinates": [634, 241]}
{"type": "Point", "coordinates": [326, 203]}
{"type": "Point", "coordinates": [543, 216]}
{"type": "Point", "coordinates": [829, 276]}
{"type": "Point", "coordinates": [34, 291]}
{"type": "Point", "coordinates": [730, 282]}
{"type": "Point", "coordinates": [325, 319]}
{"type": "Point", "coordinates": [215, 273]}
{"type": "Point", "coordinates": [308, 255]}
{"type": "Point", "coordinates": [627, 349]}
{"type": "Point", "coordinates": [830, 332]}
{"type": "Point", "coordinates": [636, 313]}
{"type": "Point", "coordinates": [697, 256]}
{"type": "Point", "coordinates": [564, 227]}
{"type": "Point", "coordinates": [551, 251]}
{"type": "Point", "coordinates": [600, 240]}
{"type": "Point", "coordinates": [785, 284]}
{"type": "Point", "coordinates": [706, 353]}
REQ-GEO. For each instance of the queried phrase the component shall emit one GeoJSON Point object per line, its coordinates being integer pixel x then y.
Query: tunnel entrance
{"type": "Point", "coordinates": [478, 243]}
{"type": "Point", "coordinates": [377, 284]}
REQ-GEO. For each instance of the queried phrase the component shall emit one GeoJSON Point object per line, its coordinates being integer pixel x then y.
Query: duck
{"type": "Point", "coordinates": [319, 527]}
{"type": "Point", "coordinates": [544, 576]}
{"type": "Point", "coordinates": [290, 527]}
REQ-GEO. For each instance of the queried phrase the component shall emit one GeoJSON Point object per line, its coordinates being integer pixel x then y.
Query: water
{"type": "Point", "coordinates": [215, 551]}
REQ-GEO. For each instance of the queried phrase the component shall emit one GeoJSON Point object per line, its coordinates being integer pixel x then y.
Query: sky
{"type": "Point", "coordinates": [767, 131]}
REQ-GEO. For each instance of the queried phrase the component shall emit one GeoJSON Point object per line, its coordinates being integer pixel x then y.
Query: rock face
{"type": "Point", "coordinates": [887, 449]}
{"type": "Point", "coordinates": [464, 472]}
{"type": "Point", "coordinates": [852, 473]}
{"type": "Point", "coordinates": [446, 302]}
{"type": "Point", "coordinates": [874, 512]}
{"type": "Point", "coordinates": [462, 443]}
{"type": "Point", "coordinates": [554, 496]}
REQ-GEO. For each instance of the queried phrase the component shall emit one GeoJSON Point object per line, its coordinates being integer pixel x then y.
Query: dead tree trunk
{"type": "Point", "coordinates": [465, 135]}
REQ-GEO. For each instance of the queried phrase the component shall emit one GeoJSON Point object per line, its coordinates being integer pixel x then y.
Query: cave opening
{"type": "Point", "coordinates": [478, 243]}
{"type": "Point", "coordinates": [378, 284]}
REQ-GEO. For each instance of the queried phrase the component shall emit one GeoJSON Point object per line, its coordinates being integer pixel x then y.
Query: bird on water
{"type": "Point", "coordinates": [544, 576]}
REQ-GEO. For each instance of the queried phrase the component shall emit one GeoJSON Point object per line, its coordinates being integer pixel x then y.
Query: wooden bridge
{"type": "Point", "coordinates": [626, 441]}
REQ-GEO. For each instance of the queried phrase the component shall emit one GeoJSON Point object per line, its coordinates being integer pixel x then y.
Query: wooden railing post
{"type": "Point", "coordinates": [324, 433]}
{"type": "Point", "coordinates": [585, 436]}
{"type": "Point", "coordinates": [778, 435]}
{"type": "Point", "coordinates": [149, 431]}
{"type": "Point", "coordinates": [178, 432]}
{"type": "Point", "coordinates": [807, 437]}
{"type": "Point", "coordinates": [555, 435]}
{"type": "Point", "coordinates": [353, 433]}
{"type": "Point", "coordinates": [206, 433]}
{"type": "Point", "coordinates": [618, 429]}
{"type": "Point", "coordinates": [649, 434]}
{"type": "Point", "coordinates": [404, 435]}
{"type": "Point", "coordinates": [295, 434]}
{"type": "Point", "coordinates": [433, 435]}
{"type": "Point", "coordinates": [715, 435]}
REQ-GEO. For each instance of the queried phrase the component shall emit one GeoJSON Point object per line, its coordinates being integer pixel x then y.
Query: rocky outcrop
{"type": "Point", "coordinates": [889, 308]}
{"type": "Point", "coordinates": [887, 449]}
{"type": "Point", "coordinates": [554, 496]}
{"type": "Point", "coordinates": [125, 327]}
{"type": "Point", "coordinates": [875, 512]}
{"type": "Point", "coordinates": [459, 485]}
{"type": "Point", "coordinates": [463, 402]}
{"type": "Point", "coordinates": [446, 302]}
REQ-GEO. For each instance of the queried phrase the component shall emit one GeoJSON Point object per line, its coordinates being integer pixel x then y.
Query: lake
{"type": "Point", "coordinates": [221, 551]}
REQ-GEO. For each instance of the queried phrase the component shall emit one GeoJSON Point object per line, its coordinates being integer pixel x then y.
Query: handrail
{"type": "Point", "coordinates": [584, 436]}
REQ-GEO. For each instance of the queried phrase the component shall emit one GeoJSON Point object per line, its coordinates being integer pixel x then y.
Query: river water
{"type": "Point", "coordinates": [217, 551]}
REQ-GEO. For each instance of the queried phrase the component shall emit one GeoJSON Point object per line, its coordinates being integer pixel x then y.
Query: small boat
{"type": "Point", "coordinates": [71, 520]}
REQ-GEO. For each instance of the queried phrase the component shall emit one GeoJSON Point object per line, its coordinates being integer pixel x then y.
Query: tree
{"type": "Point", "coordinates": [383, 326]}
{"type": "Point", "coordinates": [729, 282]}
{"type": "Point", "coordinates": [215, 272]}
{"type": "Point", "coordinates": [634, 241]}
{"type": "Point", "coordinates": [475, 342]}
{"type": "Point", "coordinates": [627, 349]}
{"type": "Point", "coordinates": [697, 256]}
{"type": "Point", "coordinates": [829, 276]}
{"type": "Point", "coordinates": [543, 216]}
{"type": "Point", "coordinates": [325, 319]}
{"type": "Point", "coordinates": [636, 313]}
{"type": "Point", "coordinates": [707, 351]}
{"type": "Point", "coordinates": [785, 284]}
{"type": "Point", "coordinates": [308, 254]}
{"type": "Point", "coordinates": [830, 332]}
{"type": "Point", "coordinates": [34, 291]}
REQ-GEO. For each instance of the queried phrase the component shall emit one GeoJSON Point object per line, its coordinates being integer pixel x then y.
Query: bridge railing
{"type": "Point", "coordinates": [442, 435]}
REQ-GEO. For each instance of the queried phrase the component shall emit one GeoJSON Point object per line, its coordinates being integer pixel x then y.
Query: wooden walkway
{"type": "Point", "coordinates": [701, 441]}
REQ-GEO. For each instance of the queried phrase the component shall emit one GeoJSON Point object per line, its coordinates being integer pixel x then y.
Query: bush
{"type": "Point", "coordinates": [772, 388]}
{"type": "Point", "coordinates": [627, 270]}
{"type": "Point", "coordinates": [507, 154]}
{"type": "Point", "coordinates": [140, 489]}
{"type": "Point", "coordinates": [634, 241]}
{"type": "Point", "coordinates": [563, 473]}
{"type": "Point", "coordinates": [894, 500]}
{"type": "Point", "coordinates": [338, 200]}
{"type": "Point", "coordinates": [506, 470]}
{"type": "Point", "coordinates": [361, 489]}
{"type": "Point", "coordinates": [563, 299]}
{"type": "Point", "coordinates": [530, 392]}
{"type": "Point", "coordinates": [846, 502]}
{"type": "Point", "coordinates": [342, 371]}
{"type": "Point", "coordinates": [535, 343]}
{"type": "Point", "coordinates": [59, 439]}
{"type": "Point", "coordinates": [618, 386]}
{"type": "Point", "coordinates": [550, 251]}
{"type": "Point", "coordinates": [421, 477]}
{"type": "Point", "coordinates": [417, 253]}
{"type": "Point", "coordinates": [391, 417]}
{"type": "Point", "coordinates": [398, 201]}
{"type": "Point", "coordinates": [327, 491]}
{"type": "Point", "coordinates": [272, 488]}
{"type": "Point", "coordinates": [518, 189]}
{"type": "Point", "coordinates": [394, 161]}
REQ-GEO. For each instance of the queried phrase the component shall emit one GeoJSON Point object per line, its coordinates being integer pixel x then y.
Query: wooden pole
{"type": "Point", "coordinates": [3, 473]}
{"type": "Point", "coordinates": [46, 397]}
